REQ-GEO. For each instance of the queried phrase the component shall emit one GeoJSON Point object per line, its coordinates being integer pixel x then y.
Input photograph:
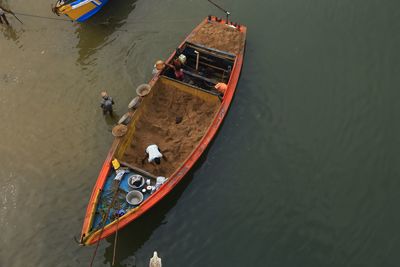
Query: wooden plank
{"type": "Point", "coordinates": [212, 66]}
{"type": "Point", "coordinates": [138, 170]}
{"type": "Point", "coordinates": [210, 50]}
{"type": "Point", "coordinates": [200, 77]}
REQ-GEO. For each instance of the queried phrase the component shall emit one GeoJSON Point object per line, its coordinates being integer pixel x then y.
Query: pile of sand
{"type": "Point", "coordinates": [158, 126]}
{"type": "Point", "coordinates": [219, 36]}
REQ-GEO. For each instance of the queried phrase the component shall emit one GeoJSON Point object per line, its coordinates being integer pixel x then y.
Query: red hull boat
{"type": "Point", "coordinates": [181, 115]}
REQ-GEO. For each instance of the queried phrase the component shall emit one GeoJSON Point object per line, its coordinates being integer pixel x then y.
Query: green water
{"type": "Point", "coordinates": [304, 171]}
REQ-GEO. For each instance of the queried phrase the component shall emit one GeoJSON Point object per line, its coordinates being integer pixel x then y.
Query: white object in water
{"type": "Point", "coordinates": [155, 261]}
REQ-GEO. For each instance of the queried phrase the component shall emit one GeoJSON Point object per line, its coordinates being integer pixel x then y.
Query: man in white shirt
{"type": "Point", "coordinates": [153, 154]}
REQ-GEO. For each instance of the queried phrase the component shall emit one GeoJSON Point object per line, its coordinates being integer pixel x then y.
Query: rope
{"type": "Point", "coordinates": [40, 17]}
{"type": "Point", "coordinates": [115, 243]}
{"type": "Point", "coordinates": [69, 20]}
{"type": "Point", "coordinates": [104, 222]}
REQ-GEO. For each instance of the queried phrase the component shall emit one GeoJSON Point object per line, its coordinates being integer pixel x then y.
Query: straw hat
{"type": "Point", "coordinates": [119, 130]}
{"type": "Point", "coordinates": [143, 89]}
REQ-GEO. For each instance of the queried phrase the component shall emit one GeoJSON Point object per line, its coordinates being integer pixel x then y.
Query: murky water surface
{"type": "Point", "coordinates": [304, 172]}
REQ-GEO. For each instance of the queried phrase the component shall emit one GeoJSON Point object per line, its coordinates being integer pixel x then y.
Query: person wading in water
{"type": "Point", "coordinates": [106, 103]}
{"type": "Point", "coordinates": [3, 18]}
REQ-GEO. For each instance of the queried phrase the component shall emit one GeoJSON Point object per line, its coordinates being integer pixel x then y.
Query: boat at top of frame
{"type": "Point", "coordinates": [78, 10]}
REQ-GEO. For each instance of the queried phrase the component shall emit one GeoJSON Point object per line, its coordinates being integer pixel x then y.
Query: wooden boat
{"type": "Point", "coordinates": [79, 10]}
{"type": "Point", "coordinates": [180, 116]}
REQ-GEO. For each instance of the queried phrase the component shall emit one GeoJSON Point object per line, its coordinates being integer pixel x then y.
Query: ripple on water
{"type": "Point", "coordinates": [8, 198]}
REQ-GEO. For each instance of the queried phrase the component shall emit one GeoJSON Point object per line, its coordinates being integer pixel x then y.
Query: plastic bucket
{"type": "Point", "coordinates": [134, 197]}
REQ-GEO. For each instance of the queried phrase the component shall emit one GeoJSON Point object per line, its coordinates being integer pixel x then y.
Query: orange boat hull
{"type": "Point", "coordinates": [88, 238]}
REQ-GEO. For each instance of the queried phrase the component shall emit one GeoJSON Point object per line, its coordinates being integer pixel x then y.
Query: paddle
{"type": "Point", "coordinates": [115, 242]}
{"type": "Point", "coordinates": [16, 17]}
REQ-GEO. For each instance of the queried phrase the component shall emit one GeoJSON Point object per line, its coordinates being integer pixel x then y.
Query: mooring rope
{"type": "Point", "coordinates": [115, 243]}
{"type": "Point", "coordinates": [70, 20]}
{"type": "Point", "coordinates": [104, 222]}
{"type": "Point", "coordinates": [41, 17]}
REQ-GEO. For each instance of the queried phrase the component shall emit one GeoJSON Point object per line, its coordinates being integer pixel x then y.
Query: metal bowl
{"type": "Point", "coordinates": [136, 181]}
{"type": "Point", "coordinates": [125, 119]}
{"type": "Point", "coordinates": [134, 104]}
{"type": "Point", "coordinates": [134, 197]}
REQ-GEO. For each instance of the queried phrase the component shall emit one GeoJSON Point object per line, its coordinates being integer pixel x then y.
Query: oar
{"type": "Point", "coordinates": [115, 242]}
{"type": "Point", "coordinates": [12, 13]}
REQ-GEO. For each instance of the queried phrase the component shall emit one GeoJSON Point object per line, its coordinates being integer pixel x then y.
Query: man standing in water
{"type": "Point", "coordinates": [3, 18]}
{"type": "Point", "coordinates": [106, 103]}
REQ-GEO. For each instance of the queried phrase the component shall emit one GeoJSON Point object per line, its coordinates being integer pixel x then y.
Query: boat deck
{"type": "Point", "coordinates": [219, 36]}
{"type": "Point", "coordinates": [157, 124]}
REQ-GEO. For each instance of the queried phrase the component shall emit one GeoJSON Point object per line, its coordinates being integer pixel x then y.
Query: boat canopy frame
{"type": "Point", "coordinates": [204, 68]}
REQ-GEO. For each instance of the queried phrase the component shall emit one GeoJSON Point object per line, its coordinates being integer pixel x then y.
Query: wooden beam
{"type": "Point", "coordinates": [199, 77]}
{"type": "Point", "coordinates": [209, 50]}
{"type": "Point", "coordinates": [138, 170]}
